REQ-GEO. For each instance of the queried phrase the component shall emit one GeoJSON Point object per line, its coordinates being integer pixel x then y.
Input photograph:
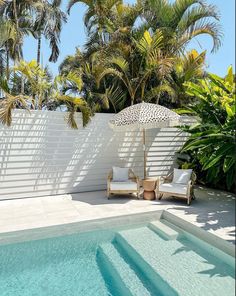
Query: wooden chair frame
{"type": "Point", "coordinates": [168, 179]}
{"type": "Point", "coordinates": [132, 177]}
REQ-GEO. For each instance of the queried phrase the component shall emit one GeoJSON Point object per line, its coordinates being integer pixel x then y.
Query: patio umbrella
{"type": "Point", "coordinates": [141, 117]}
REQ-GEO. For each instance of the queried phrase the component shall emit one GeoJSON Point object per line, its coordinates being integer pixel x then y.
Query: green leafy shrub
{"type": "Point", "coordinates": [211, 145]}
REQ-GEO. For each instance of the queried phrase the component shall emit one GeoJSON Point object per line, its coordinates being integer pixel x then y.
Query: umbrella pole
{"type": "Point", "coordinates": [144, 155]}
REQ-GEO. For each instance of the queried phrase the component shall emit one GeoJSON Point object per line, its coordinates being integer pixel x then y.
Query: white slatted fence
{"type": "Point", "coordinates": [40, 155]}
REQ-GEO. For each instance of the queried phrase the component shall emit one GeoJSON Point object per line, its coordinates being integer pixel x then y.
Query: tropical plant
{"type": "Point", "coordinates": [97, 97]}
{"type": "Point", "coordinates": [182, 21]}
{"type": "Point", "coordinates": [66, 91]}
{"type": "Point", "coordinates": [48, 23]}
{"type": "Point", "coordinates": [135, 69]}
{"type": "Point", "coordinates": [131, 59]}
{"type": "Point", "coordinates": [36, 79]}
{"type": "Point", "coordinates": [39, 18]}
{"type": "Point", "coordinates": [211, 144]}
{"type": "Point", "coordinates": [187, 68]}
{"type": "Point", "coordinates": [42, 93]}
{"type": "Point", "coordinates": [97, 15]}
{"type": "Point", "coordinates": [16, 23]}
{"type": "Point", "coordinates": [10, 102]}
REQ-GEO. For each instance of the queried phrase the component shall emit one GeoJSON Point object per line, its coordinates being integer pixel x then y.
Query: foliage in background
{"type": "Point", "coordinates": [133, 53]}
{"type": "Point", "coordinates": [18, 19]}
{"type": "Point", "coordinates": [45, 93]}
{"type": "Point", "coordinates": [211, 146]}
{"type": "Point", "coordinates": [140, 50]}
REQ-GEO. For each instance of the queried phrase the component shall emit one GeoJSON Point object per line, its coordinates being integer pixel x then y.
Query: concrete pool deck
{"type": "Point", "coordinates": [212, 210]}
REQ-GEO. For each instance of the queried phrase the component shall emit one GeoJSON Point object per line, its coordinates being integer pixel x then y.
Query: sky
{"type": "Point", "coordinates": [73, 35]}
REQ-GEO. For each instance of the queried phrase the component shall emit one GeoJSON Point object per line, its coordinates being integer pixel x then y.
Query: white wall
{"type": "Point", "coordinates": [40, 155]}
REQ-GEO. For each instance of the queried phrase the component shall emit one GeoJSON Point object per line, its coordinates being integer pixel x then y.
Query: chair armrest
{"type": "Point", "coordinates": [190, 183]}
{"type": "Point", "coordinates": [193, 178]}
{"type": "Point", "coordinates": [163, 179]}
{"type": "Point", "coordinates": [168, 178]}
{"type": "Point", "coordinates": [109, 177]}
{"type": "Point", "coordinates": [135, 179]}
{"type": "Point", "coordinates": [189, 186]}
{"type": "Point", "coordinates": [159, 181]}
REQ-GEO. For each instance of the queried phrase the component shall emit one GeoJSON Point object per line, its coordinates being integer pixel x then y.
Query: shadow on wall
{"type": "Point", "coordinates": [40, 155]}
{"type": "Point", "coordinates": [162, 144]}
{"type": "Point", "coordinates": [102, 149]}
{"type": "Point", "coordinates": [31, 154]}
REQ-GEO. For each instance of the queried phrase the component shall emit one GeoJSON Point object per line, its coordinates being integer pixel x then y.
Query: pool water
{"type": "Point", "coordinates": [138, 261]}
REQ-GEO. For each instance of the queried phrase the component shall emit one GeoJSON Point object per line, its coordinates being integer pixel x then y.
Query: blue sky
{"type": "Point", "coordinates": [73, 35]}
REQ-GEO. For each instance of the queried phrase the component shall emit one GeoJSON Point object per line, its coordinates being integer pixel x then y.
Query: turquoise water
{"type": "Point", "coordinates": [129, 262]}
{"type": "Point", "coordinates": [53, 267]}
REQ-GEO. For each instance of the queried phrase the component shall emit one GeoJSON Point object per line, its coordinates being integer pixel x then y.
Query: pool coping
{"type": "Point", "coordinates": [200, 233]}
{"type": "Point", "coordinates": [78, 227]}
{"type": "Point", "coordinates": [115, 222]}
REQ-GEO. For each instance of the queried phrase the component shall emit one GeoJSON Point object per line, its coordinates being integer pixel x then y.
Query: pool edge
{"type": "Point", "coordinates": [204, 235]}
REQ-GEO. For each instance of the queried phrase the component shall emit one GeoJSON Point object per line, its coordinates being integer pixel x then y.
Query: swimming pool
{"type": "Point", "coordinates": [154, 258]}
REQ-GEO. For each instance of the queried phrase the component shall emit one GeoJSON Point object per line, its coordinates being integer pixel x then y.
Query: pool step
{"type": "Point", "coordinates": [171, 265]}
{"type": "Point", "coordinates": [145, 237]}
{"type": "Point", "coordinates": [166, 231]}
{"type": "Point", "coordinates": [121, 271]}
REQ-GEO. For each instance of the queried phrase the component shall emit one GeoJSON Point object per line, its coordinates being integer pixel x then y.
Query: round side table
{"type": "Point", "coordinates": [149, 186]}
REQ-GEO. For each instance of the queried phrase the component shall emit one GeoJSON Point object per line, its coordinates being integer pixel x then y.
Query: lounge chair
{"type": "Point", "coordinates": [122, 181]}
{"type": "Point", "coordinates": [179, 183]}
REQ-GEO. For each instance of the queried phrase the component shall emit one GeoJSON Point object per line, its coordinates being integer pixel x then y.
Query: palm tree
{"type": "Point", "coordinates": [7, 33]}
{"type": "Point", "coordinates": [97, 15]}
{"type": "Point", "coordinates": [145, 62]}
{"type": "Point", "coordinates": [48, 23]}
{"type": "Point", "coordinates": [187, 68]}
{"type": "Point", "coordinates": [131, 60]}
{"type": "Point", "coordinates": [43, 91]}
{"type": "Point", "coordinates": [15, 24]}
{"type": "Point", "coordinates": [67, 91]}
{"type": "Point", "coordinates": [96, 96]}
{"type": "Point", "coordinates": [38, 79]}
{"type": "Point", "coordinates": [9, 103]}
{"type": "Point", "coordinates": [182, 21]}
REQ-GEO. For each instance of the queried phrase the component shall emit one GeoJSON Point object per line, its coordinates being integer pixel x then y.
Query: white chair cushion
{"type": "Point", "coordinates": [120, 174]}
{"type": "Point", "coordinates": [128, 185]}
{"type": "Point", "coordinates": [173, 188]}
{"type": "Point", "coordinates": [182, 176]}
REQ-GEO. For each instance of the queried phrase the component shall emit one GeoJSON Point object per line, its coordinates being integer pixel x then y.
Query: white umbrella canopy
{"type": "Point", "coordinates": [144, 116]}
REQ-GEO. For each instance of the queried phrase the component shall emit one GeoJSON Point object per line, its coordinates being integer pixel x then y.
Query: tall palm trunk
{"type": "Point", "coordinates": [15, 15]}
{"type": "Point", "coordinates": [39, 49]}
{"type": "Point", "coordinates": [7, 64]}
{"type": "Point", "coordinates": [22, 87]}
{"type": "Point", "coordinates": [159, 94]}
{"type": "Point", "coordinates": [35, 97]}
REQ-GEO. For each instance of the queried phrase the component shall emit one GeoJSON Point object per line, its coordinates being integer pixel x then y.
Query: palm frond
{"type": "Point", "coordinates": [73, 104]}
{"type": "Point", "coordinates": [155, 92]}
{"type": "Point", "coordinates": [195, 14]}
{"type": "Point", "coordinates": [73, 2]}
{"type": "Point", "coordinates": [181, 7]}
{"type": "Point", "coordinates": [210, 28]}
{"type": "Point", "coordinates": [148, 43]}
{"type": "Point", "coordinates": [121, 64]}
{"type": "Point", "coordinates": [108, 71]}
{"type": "Point", "coordinates": [8, 104]}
